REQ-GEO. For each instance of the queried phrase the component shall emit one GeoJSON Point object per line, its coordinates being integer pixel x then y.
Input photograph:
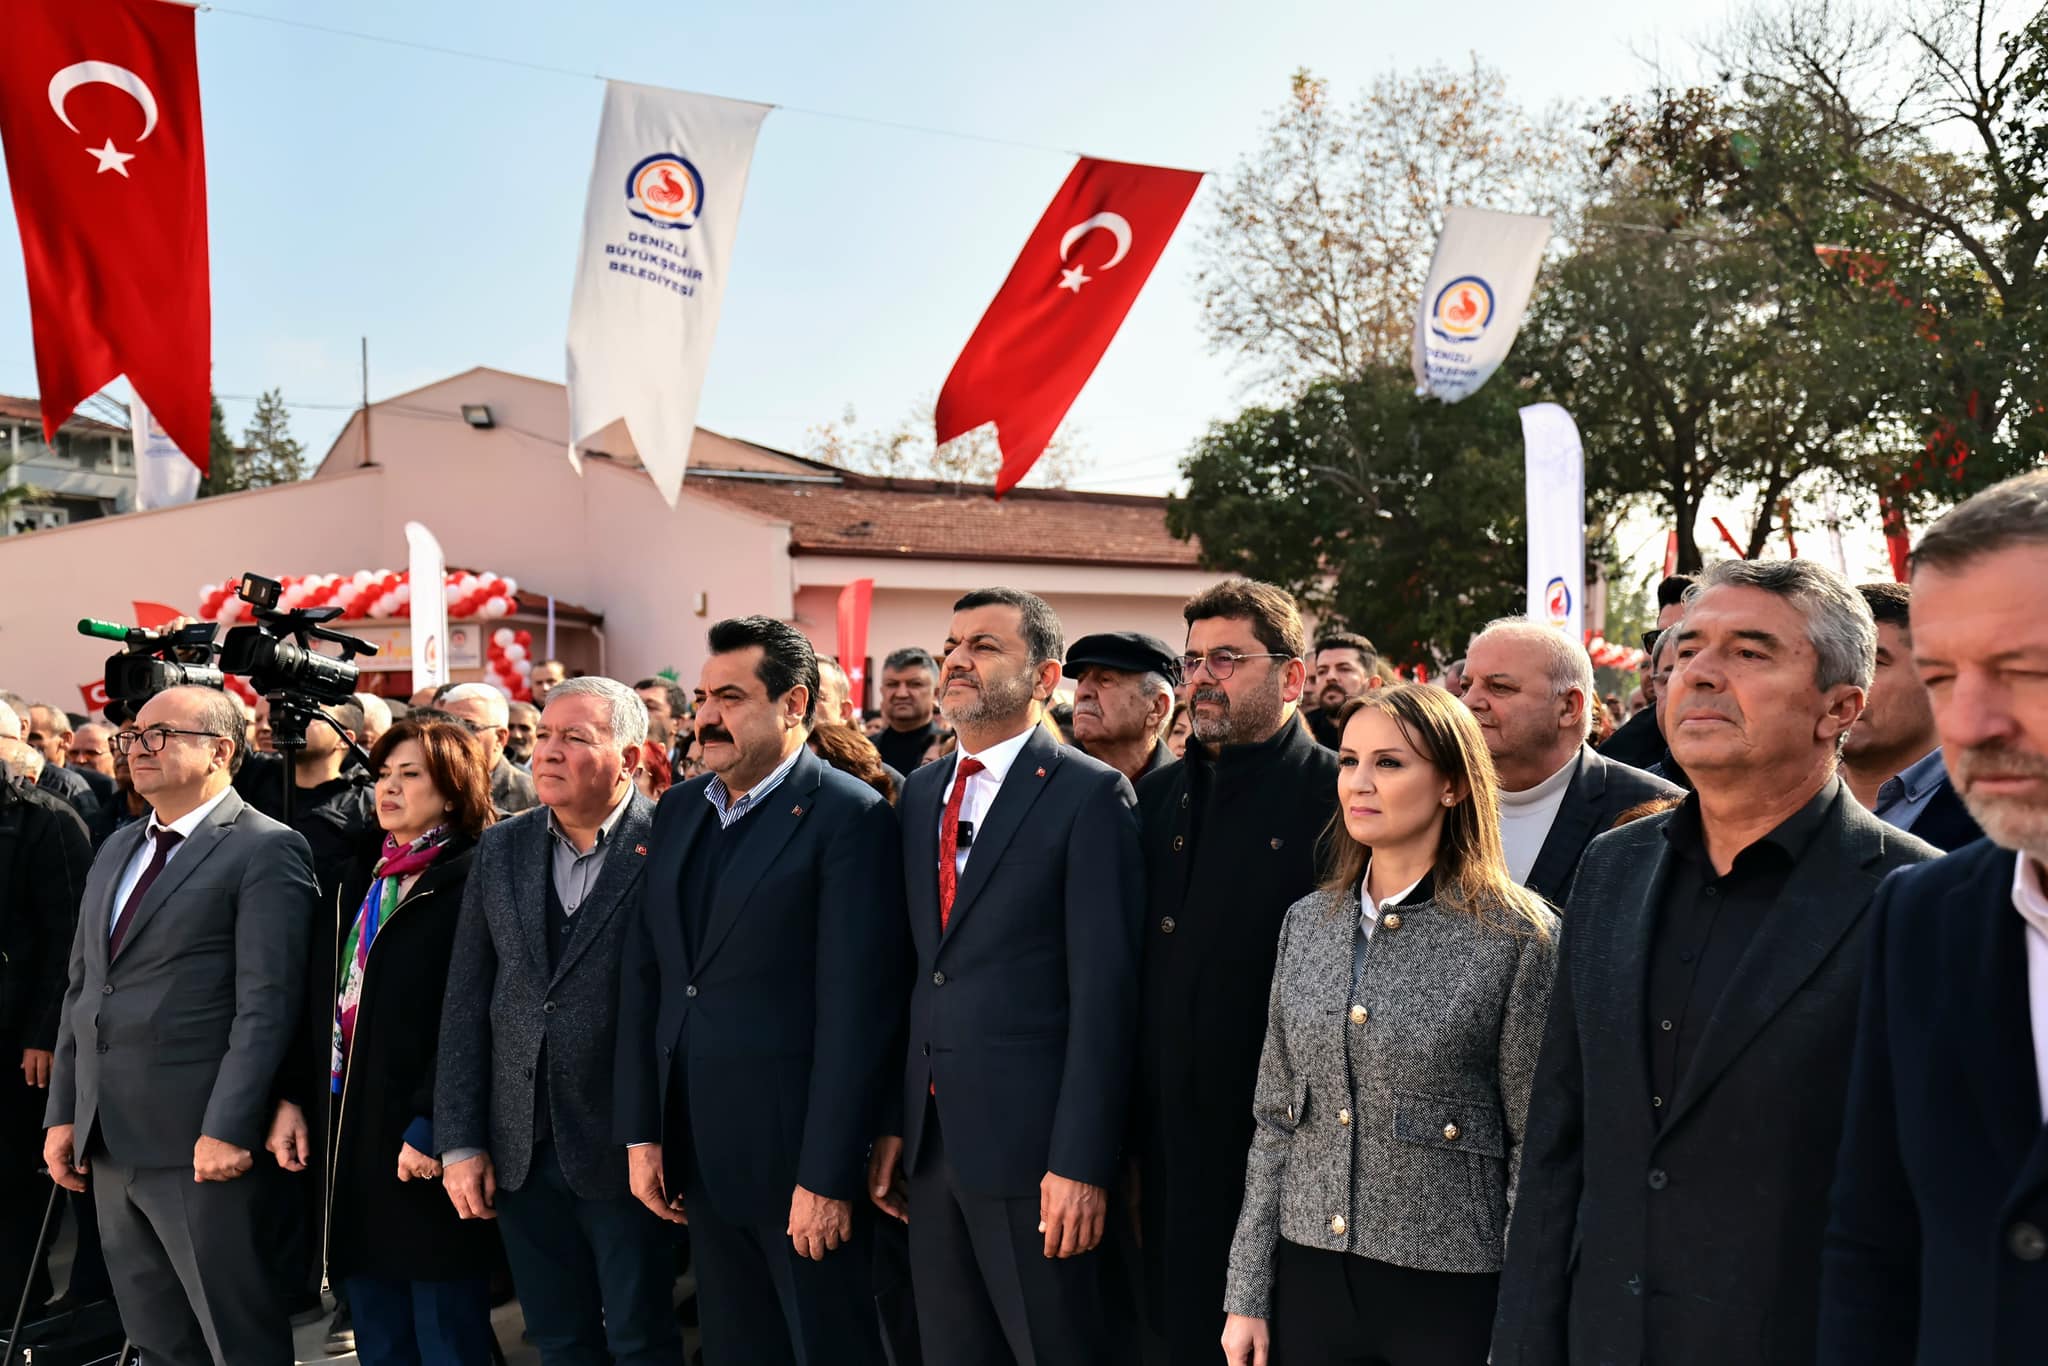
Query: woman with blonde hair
{"type": "Point", "coordinates": [1406, 1012]}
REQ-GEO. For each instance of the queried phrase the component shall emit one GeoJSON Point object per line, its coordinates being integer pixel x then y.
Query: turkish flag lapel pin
{"type": "Point", "coordinates": [641, 850]}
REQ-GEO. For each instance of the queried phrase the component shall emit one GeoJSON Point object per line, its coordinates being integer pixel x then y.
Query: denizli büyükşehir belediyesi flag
{"type": "Point", "coordinates": [658, 234]}
{"type": "Point", "coordinates": [164, 478]}
{"type": "Point", "coordinates": [99, 114]}
{"type": "Point", "coordinates": [1471, 307]}
{"type": "Point", "coordinates": [1079, 274]}
{"type": "Point", "coordinates": [427, 572]}
{"type": "Point", "coordinates": [1555, 474]}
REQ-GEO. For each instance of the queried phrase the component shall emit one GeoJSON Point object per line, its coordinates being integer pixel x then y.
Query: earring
{"type": "Point", "coordinates": [1447, 799]}
{"type": "Point", "coordinates": [447, 806]}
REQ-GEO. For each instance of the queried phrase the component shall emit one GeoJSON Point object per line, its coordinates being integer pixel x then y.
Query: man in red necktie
{"type": "Point", "coordinates": [1025, 886]}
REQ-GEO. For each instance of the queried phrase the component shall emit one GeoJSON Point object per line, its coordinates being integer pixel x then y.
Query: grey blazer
{"type": "Point", "coordinates": [182, 1035]}
{"type": "Point", "coordinates": [504, 1003]}
{"type": "Point", "coordinates": [1389, 1125]}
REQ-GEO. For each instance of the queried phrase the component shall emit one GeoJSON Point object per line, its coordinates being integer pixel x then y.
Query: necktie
{"type": "Point", "coordinates": [166, 842]}
{"type": "Point", "coordinates": [949, 839]}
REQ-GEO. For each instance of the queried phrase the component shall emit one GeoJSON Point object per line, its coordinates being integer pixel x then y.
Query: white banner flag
{"type": "Point", "coordinates": [1556, 475]}
{"type": "Point", "coordinates": [427, 575]}
{"type": "Point", "coordinates": [164, 478]}
{"type": "Point", "coordinates": [657, 246]}
{"type": "Point", "coordinates": [1479, 284]}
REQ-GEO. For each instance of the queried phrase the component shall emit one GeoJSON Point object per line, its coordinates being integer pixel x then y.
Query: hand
{"type": "Point", "coordinates": [885, 1178]}
{"type": "Point", "coordinates": [289, 1142]}
{"type": "Point", "coordinates": [1245, 1341]}
{"type": "Point", "coordinates": [1070, 1215]}
{"type": "Point", "coordinates": [67, 1168]}
{"type": "Point", "coordinates": [216, 1160]}
{"type": "Point", "coordinates": [414, 1165]}
{"type": "Point", "coordinates": [649, 1183]}
{"type": "Point", "coordinates": [35, 1067]}
{"type": "Point", "coordinates": [473, 1187]}
{"type": "Point", "coordinates": [818, 1225]}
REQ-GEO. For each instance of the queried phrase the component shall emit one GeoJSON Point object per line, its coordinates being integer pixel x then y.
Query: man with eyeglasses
{"type": "Point", "coordinates": [185, 981]}
{"type": "Point", "coordinates": [1229, 837]}
{"type": "Point", "coordinates": [483, 709]}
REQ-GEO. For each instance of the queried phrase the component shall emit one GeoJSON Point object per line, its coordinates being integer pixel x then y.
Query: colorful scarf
{"type": "Point", "coordinates": [393, 867]}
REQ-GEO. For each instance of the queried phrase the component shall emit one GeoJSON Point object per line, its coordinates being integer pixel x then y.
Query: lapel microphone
{"type": "Point", "coordinates": [966, 832]}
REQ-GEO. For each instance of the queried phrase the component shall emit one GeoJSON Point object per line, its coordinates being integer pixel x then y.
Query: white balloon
{"type": "Point", "coordinates": [523, 667]}
{"type": "Point", "coordinates": [514, 651]}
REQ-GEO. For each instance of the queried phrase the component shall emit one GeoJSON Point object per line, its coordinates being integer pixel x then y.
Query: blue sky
{"type": "Point", "coordinates": [434, 204]}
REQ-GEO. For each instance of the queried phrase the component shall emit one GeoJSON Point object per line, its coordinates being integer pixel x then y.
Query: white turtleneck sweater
{"type": "Point", "coordinates": [1526, 818]}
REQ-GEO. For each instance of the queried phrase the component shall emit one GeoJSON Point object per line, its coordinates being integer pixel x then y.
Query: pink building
{"type": "Point", "coordinates": [479, 458]}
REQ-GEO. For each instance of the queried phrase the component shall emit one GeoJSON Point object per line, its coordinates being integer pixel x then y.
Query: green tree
{"type": "Point", "coordinates": [270, 454]}
{"type": "Point", "coordinates": [1391, 514]}
{"type": "Point", "coordinates": [225, 469]}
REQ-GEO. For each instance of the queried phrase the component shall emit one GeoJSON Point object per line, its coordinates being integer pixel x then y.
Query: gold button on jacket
{"type": "Point", "coordinates": [1392, 921]}
{"type": "Point", "coordinates": [1358, 1014]}
{"type": "Point", "coordinates": [1450, 1133]}
{"type": "Point", "coordinates": [1337, 1224]}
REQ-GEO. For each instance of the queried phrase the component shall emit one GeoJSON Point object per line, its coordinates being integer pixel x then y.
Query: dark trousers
{"type": "Point", "coordinates": [986, 1291]}
{"type": "Point", "coordinates": [894, 1300]}
{"type": "Point", "coordinates": [24, 1190]}
{"type": "Point", "coordinates": [421, 1323]}
{"type": "Point", "coordinates": [595, 1277]}
{"type": "Point", "coordinates": [760, 1301]}
{"type": "Point", "coordinates": [191, 1274]}
{"type": "Point", "coordinates": [1335, 1309]}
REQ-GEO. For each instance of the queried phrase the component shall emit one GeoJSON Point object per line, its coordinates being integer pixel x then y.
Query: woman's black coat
{"type": "Point", "coordinates": [377, 1224]}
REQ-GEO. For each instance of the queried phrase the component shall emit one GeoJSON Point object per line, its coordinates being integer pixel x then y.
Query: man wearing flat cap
{"type": "Point", "coordinates": [1123, 699]}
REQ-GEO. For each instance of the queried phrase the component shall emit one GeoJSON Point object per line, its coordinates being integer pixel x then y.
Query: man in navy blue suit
{"type": "Point", "coordinates": [1937, 1248]}
{"type": "Point", "coordinates": [1024, 885]}
{"type": "Point", "coordinates": [758, 999]}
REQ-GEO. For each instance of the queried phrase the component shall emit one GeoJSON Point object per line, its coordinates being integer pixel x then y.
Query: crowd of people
{"type": "Point", "coordinates": [1241, 1003]}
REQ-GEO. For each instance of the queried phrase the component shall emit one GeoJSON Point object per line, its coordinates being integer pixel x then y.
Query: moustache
{"type": "Point", "coordinates": [718, 733]}
{"type": "Point", "coordinates": [1979, 762]}
{"type": "Point", "coordinates": [959, 676]}
{"type": "Point", "coordinates": [1211, 694]}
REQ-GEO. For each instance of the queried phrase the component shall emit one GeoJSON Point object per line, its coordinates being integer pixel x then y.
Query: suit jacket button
{"type": "Point", "coordinates": [1450, 1133]}
{"type": "Point", "coordinates": [1359, 1014]}
{"type": "Point", "coordinates": [690, 990]}
{"type": "Point", "coordinates": [1391, 921]}
{"type": "Point", "coordinates": [547, 1007]}
{"type": "Point", "coordinates": [938, 979]}
{"type": "Point", "coordinates": [1166, 924]}
{"type": "Point", "coordinates": [529, 1074]}
{"type": "Point", "coordinates": [107, 990]}
{"type": "Point", "coordinates": [1179, 843]}
{"type": "Point", "coordinates": [927, 1050]}
{"type": "Point", "coordinates": [1344, 1117]}
{"type": "Point", "coordinates": [2027, 1242]}
{"type": "Point", "coordinates": [1658, 1180]}
{"type": "Point", "coordinates": [1337, 1224]}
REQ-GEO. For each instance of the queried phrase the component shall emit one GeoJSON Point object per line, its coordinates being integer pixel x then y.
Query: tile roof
{"type": "Point", "coordinates": [926, 519]}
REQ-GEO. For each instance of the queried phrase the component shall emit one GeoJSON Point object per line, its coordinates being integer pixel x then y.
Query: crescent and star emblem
{"type": "Point", "coordinates": [1115, 224]}
{"type": "Point", "coordinates": [71, 77]}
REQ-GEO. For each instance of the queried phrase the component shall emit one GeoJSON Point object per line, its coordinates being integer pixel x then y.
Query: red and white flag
{"type": "Point", "coordinates": [1049, 324]}
{"type": "Point", "coordinates": [99, 114]}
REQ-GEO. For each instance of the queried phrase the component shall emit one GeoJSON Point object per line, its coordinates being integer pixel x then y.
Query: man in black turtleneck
{"type": "Point", "coordinates": [1230, 837]}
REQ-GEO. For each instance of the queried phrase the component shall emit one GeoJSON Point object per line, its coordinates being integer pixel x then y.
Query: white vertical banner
{"type": "Point", "coordinates": [658, 233]}
{"type": "Point", "coordinates": [164, 478]}
{"type": "Point", "coordinates": [427, 573]}
{"type": "Point", "coordinates": [1555, 471]}
{"type": "Point", "coordinates": [1471, 307]}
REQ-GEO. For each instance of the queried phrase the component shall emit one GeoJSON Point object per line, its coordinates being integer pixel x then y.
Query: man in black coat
{"type": "Point", "coordinates": [1937, 1250]}
{"type": "Point", "coordinates": [1688, 1100]}
{"type": "Point", "coordinates": [1639, 742]}
{"type": "Point", "coordinates": [44, 857]}
{"type": "Point", "coordinates": [1230, 837]}
{"type": "Point", "coordinates": [756, 1027]}
{"type": "Point", "coordinates": [1123, 700]}
{"type": "Point", "coordinates": [1022, 878]}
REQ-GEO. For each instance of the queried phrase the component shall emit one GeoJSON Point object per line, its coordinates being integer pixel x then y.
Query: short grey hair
{"type": "Point", "coordinates": [1152, 683]}
{"type": "Point", "coordinates": [10, 722]}
{"type": "Point", "coordinates": [628, 714]}
{"type": "Point", "coordinates": [375, 709]}
{"type": "Point", "coordinates": [2005, 515]}
{"type": "Point", "coordinates": [1838, 621]}
{"type": "Point", "coordinates": [493, 700]}
{"type": "Point", "coordinates": [1566, 665]}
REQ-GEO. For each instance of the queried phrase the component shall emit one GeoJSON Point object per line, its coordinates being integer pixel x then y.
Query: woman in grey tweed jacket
{"type": "Point", "coordinates": [1400, 1042]}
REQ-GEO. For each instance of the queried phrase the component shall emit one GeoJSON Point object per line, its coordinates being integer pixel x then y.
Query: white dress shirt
{"type": "Point", "coordinates": [981, 788]}
{"type": "Point", "coordinates": [139, 860]}
{"type": "Point", "coordinates": [2030, 899]}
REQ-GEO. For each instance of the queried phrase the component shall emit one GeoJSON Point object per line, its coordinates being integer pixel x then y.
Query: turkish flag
{"type": "Point", "coordinates": [99, 115]}
{"type": "Point", "coordinates": [856, 600]}
{"type": "Point", "coordinates": [1080, 272]}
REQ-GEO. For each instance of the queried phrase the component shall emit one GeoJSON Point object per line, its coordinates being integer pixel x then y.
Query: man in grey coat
{"type": "Point", "coordinates": [523, 1095]}
{"type": "Point", "coordinates": [185, 978]}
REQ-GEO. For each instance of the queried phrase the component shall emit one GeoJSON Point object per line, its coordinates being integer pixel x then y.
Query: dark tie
{"type": "Point", "coordinates": [949, 839]}
{"type": "Point", "coordinates": [166, 842]}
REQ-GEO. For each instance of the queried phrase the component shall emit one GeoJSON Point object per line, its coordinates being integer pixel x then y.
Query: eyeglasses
{"type": "Point", "coordinates": [152, 741]}
{"type": "Point", "coordinates": [1220, 663]}
{"type": "Point", "coordinates": [1650, 641]}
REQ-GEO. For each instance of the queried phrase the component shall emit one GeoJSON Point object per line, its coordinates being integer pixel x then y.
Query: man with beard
{"type": "Point", "coordinates": [1123, 700]}
{"type": "Point", "coordinates": [1230, 839]}
{"type": "Point", "coordinates": [1892, 761]}
{"type": "Point", "coordinates": [1346, 666]}
{"type": "Point", "coordinates": [1938, 1246]}
{"type": "Point", "coordinates": [1023, 884]}
{"type": "Point", "coordinates": [908, 678]}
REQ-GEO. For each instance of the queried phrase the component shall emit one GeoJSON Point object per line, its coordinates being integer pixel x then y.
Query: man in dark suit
{"type": "Point", "coordinates": [1230, 842]}
{"type": "Point", "coordinates": [1937, 1250]}
{"type": "Point", "coordinates": [488, 715]}
{"type": "Point", "coordinates": [1023, 880]}
{"type": "Point", "coordinates": [1531, 688]}
{"type": "Point", "coordinates": [186, 974]}
{"type": "Point", "coordinates": [1688, 1099]}
{"type": "Point", "coordinates": [1639, 742]}
{"type": "Point", "coordinates": [755, 1038]}
{"type": "Point", "coordinates": [523, 1095]}
{"type": "Point", "coordinates": [1892, 761]}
